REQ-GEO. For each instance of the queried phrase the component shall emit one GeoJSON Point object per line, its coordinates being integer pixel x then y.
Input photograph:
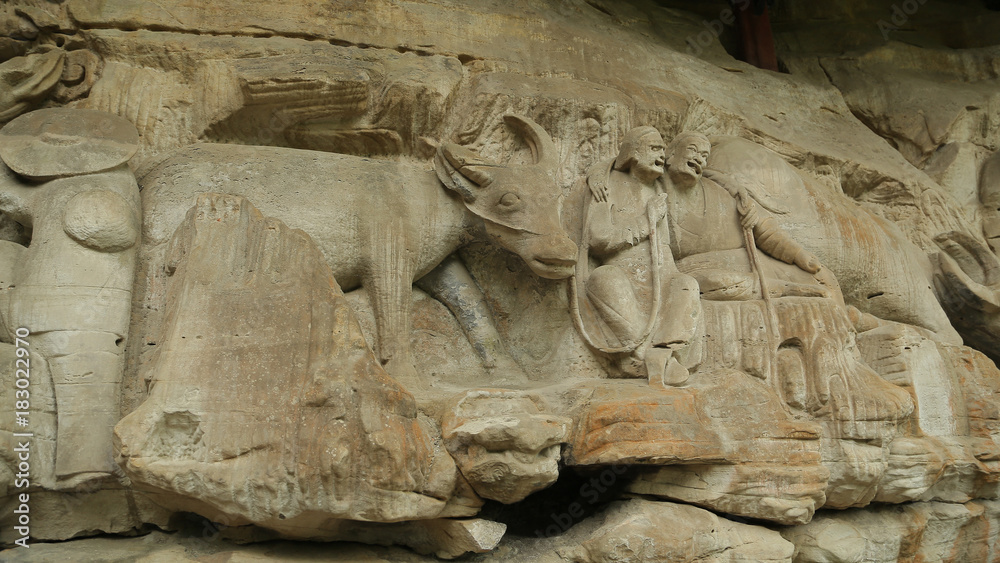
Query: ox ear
{"type": "Point", "coordinates": [542, 147]}
{"type": "Point", "coordinates": [462, 170]}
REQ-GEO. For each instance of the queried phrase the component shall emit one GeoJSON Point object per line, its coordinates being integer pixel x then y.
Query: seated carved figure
{"type": "Point", "coordinates": [722, 237]}
{"type": "Point", "coordinates": [771, 310]}
{"type": "Point", "coordinates": [649, 312]}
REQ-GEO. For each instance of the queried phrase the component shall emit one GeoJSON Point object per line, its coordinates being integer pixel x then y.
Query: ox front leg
{"type": "Point", "coordinates": [390, 285]}
{"type": "Point", "coordinates": [451, 284]}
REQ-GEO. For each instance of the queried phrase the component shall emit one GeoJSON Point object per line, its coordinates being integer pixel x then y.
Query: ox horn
{"type": "Point", "coordinates": [462, 170]}
{"type": "Point", "coordinates": [469, 164]}
{"type": "Point", "coordinates": [542, 147]}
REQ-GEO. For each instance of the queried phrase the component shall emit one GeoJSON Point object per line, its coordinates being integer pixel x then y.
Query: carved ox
{"type": "Point", "coordinates": [385, 224]}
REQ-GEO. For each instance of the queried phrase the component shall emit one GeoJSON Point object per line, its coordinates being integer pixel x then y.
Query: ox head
{"type": "Point", "coordinates": [519, 205]}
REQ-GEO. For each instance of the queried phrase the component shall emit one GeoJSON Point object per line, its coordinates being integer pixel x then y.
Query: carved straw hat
{"type": "Point", "coordinates": [65, 142]}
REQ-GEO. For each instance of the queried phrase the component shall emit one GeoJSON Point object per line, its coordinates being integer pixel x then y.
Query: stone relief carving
{"type": "Point", "coordinates": [338, 440]}
{"type": "Point", "coordinates": [772, 312]}
{"type": "Point", "coordinates": [503, 444]}
{"type": "Point", "coordinates": [389, 224]}
{"type": "Point", "coordinates": [968, 272]}
{"type": "Point", "coordinates": [651, 312]}
{"type": "Point", "coordinates": [45, 72]}
{"type": "Point", "coordinates": [67, 182]}
{"type": "Point", "coordinates": [853, 407]}
{"type": "Point", "coordinates": [989, 198]}
{"type": "Point", "coordinates": [783, 380]}
{"type": "Point", "coordinates": [27, 79]}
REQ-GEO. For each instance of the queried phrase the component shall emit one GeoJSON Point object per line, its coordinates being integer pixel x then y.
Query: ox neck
{"type": "Point", "coordinates": [473, 228]}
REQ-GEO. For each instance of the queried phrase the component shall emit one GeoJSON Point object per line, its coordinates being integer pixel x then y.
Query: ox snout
{"type": "Point", "coordinates": [553, 258]}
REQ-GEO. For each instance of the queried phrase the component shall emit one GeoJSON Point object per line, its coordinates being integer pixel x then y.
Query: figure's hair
{"type": "Point", "coordinates": [682, 138]}
{"type": "Point", "coordinates": [630, 144]}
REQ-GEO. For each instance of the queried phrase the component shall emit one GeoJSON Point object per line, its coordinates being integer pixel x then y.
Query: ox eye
{"type": "Point", "coordinates": [509, 201]}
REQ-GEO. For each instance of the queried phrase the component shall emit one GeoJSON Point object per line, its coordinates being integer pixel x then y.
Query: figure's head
{"type": "Point", "coordinates": [687, 156]}
{"type": "Point", "coordinates": [642, 154]}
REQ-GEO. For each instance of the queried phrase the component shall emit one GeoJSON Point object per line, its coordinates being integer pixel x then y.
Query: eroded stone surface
{"type": "Point", "coordinates": [929, 531]}
{"type": "Point", "coordinates": [67, 295]}
{"type": "Point", "coordinates": [323, 434]}
{"type": "Point", "coordinates": [841, 233]}
{"type": "Point", "coordinates": [503, 445]}
{"type": "Point", "coordinates": [639, 531]}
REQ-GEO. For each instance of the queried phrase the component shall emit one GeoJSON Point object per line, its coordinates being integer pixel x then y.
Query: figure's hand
{"type": "Point", "coordinates": [807, 262]}
{"type": "Point", "coordinates": [600, 192]}
{"type": "Point", "coordinates": [656, 207]}
{"type": "Point", "coordinates": [750, 217]}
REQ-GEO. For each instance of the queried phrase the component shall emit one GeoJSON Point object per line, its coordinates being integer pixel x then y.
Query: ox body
{"type": "Point", "coordinates": [385, 224]}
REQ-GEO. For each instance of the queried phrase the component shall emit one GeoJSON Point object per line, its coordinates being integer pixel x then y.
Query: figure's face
{"type": "Point", "coordinates": [650, 157]}
{"type": "Point", "coordinates": [688, 161]}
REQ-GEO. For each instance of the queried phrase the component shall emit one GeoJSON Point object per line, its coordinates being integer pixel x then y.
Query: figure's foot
{"type": "Point", "coordinates": [656, 364]}
{"type": "Point", "coordinates": [675, 374]}
{"type": "Point", "coordinates": [633, 366]}
{"type": "Point", "coordinates": [664, 370]}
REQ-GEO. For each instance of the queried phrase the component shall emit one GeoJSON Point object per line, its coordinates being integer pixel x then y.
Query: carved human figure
{"type": "Point", "coordinates": [717, 229]}
{"type": "Point", "coordinates": [649, 313]}
{"type": "Point", "coordinates": [69, 185]}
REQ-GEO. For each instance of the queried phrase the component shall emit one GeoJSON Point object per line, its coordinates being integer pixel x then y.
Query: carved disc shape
{"type": "Point", "coordinates": [100, 219]}
{"type": "Point", "coordinates": [65, 142]}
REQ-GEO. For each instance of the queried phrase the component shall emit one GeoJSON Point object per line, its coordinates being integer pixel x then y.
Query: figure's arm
{"type": "Point", "coordinates": [777, 243]}
{"type": "Point", "coordinates": [769, 236]}
{"type": "Point", "coordinates": [612, 232]}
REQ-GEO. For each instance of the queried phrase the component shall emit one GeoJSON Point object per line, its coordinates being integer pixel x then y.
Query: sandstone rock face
{"type": "Point", "coordinates": [526, 281]}
{"type": "Point", "coordinates": [929, 531]}
{"type": "Point", "coordinates": [638, 530]}
{"type": "Point", "coordinates": [320, 434]}
{"type": "Point", "coordinates": [503, 445]}
{"type": "Point", "coordinates": [730, 460]}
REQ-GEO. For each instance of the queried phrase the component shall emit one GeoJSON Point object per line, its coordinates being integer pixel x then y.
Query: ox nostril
{"type": "Point", "coordinates": [553, 257]}
{"type": "Point", "coordinates": [565, 248]}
